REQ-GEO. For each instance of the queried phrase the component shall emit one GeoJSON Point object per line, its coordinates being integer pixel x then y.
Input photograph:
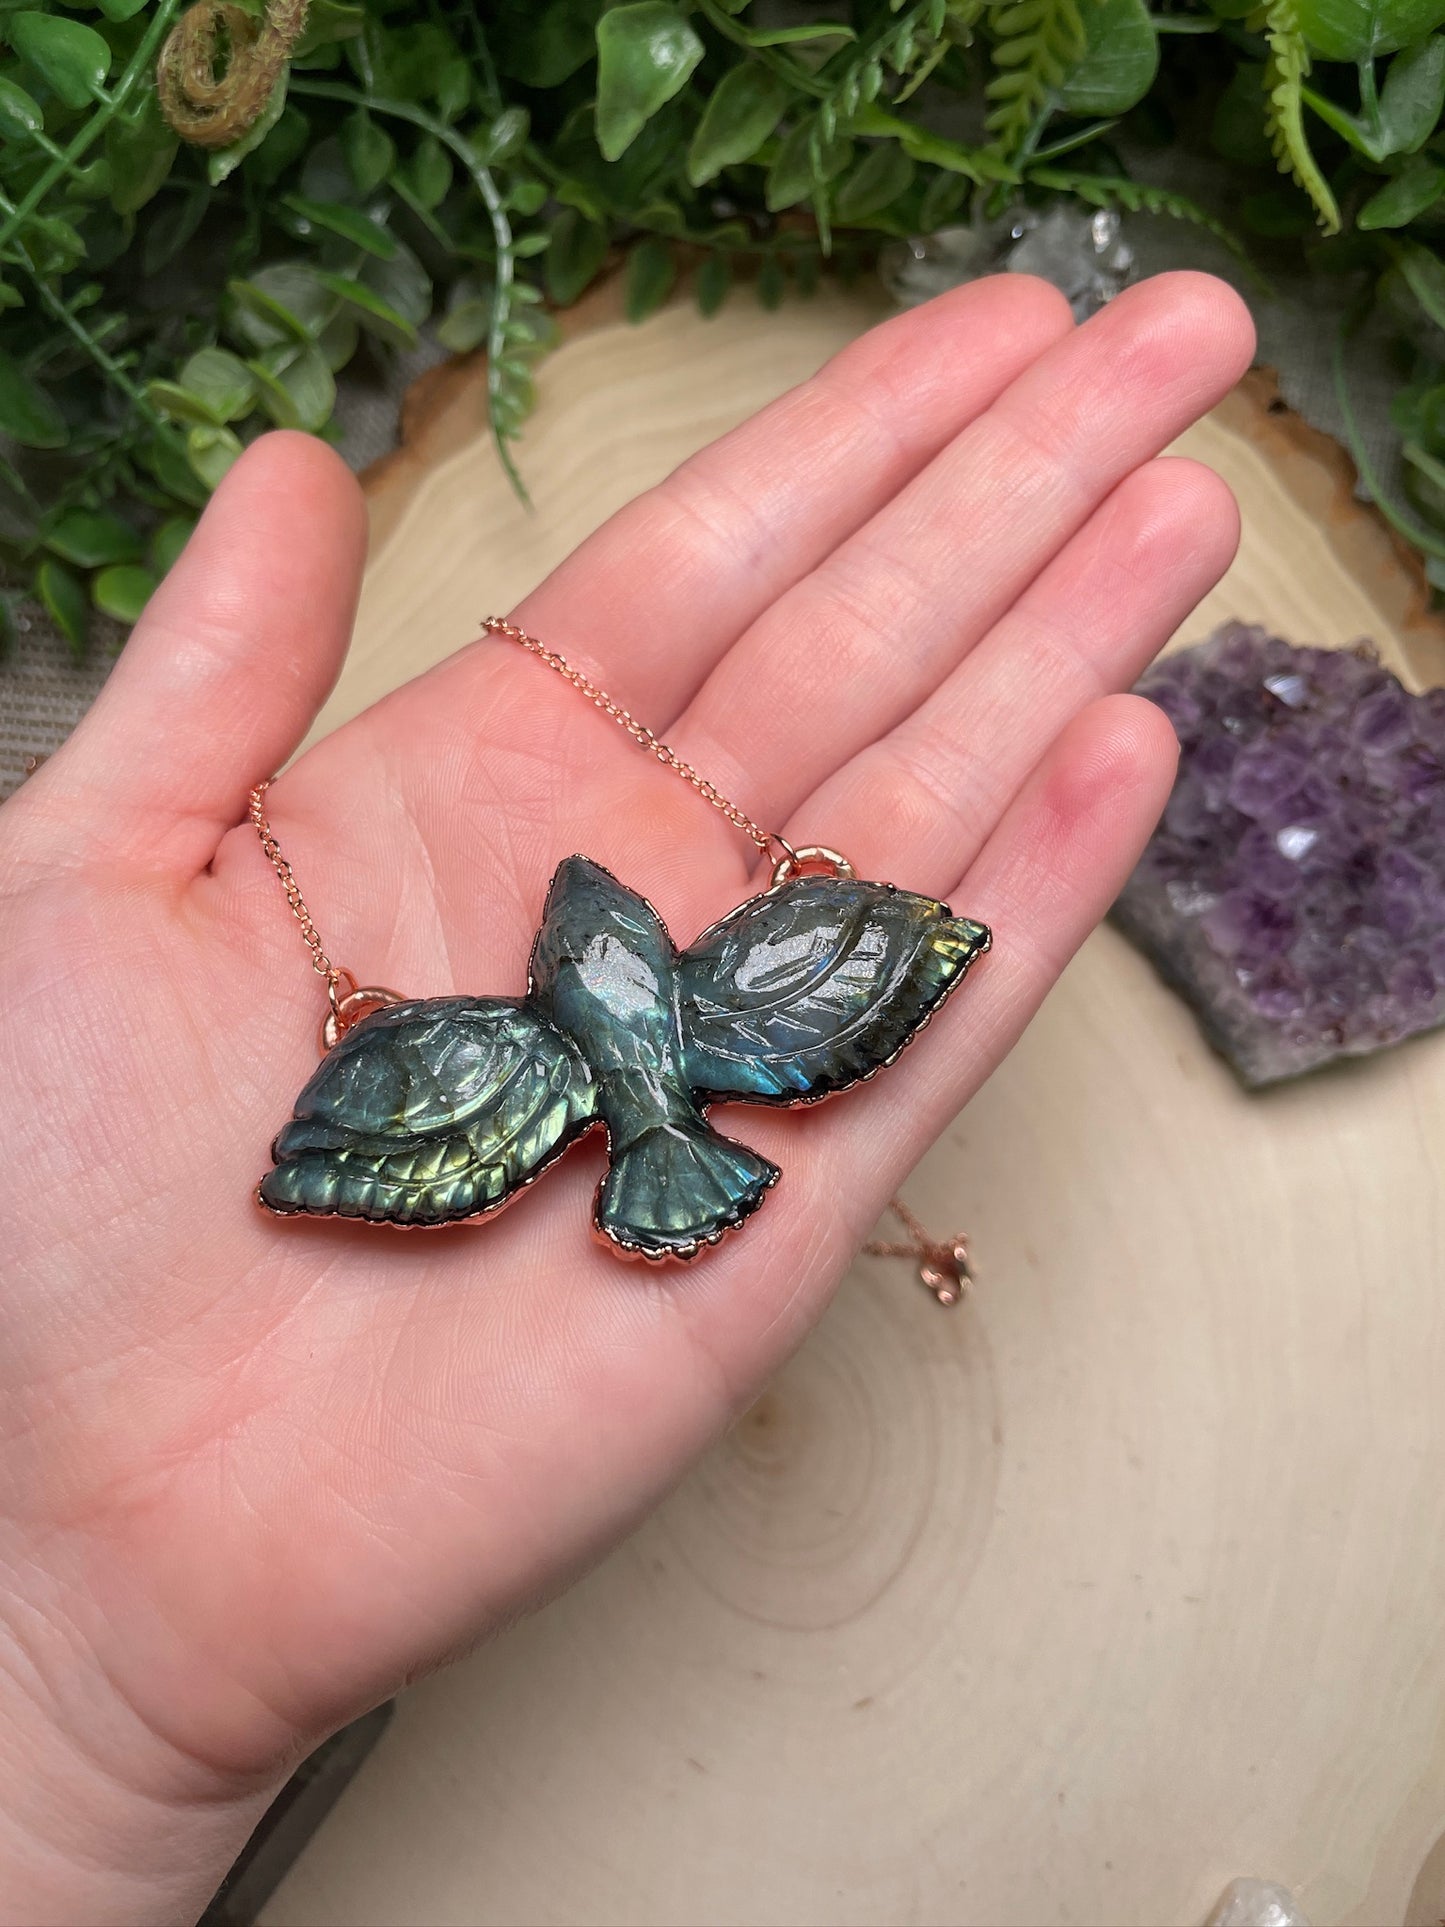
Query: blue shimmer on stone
{"type": "Point", "coordinates": [802, 992]}
{"type": "Point", "coordinates": [604, 972]}
{"type": "Point", "coordinates": [430, 1111]}
{"type": "Point", "coordinates": [440, 1110]}
{"type": "Point", "coordinates": [1295, 889]}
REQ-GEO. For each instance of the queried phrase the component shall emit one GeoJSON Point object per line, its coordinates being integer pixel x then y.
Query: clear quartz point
{"type": "Point", "coordinates": [1257, 1903]}
{"type": "Point", "coordinates": [1083, 251]}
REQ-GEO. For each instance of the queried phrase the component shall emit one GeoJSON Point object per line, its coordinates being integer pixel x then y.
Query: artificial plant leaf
{"type": "Point", "coordinates": [178, 404]}
{"type": "Point", "coordinates": [796, 35]}
{"type": "Point", "coordinates": [944, 195]}
{"type": "Point", "coordinates": [465, 326]}
{"type": "Point", "coordinates": [804, 162]}
{"type": "Point", "coordinates": [543, 46]}
{"type": "Point", "coordinates": [69, 56]}
{"type": "Point", "coordinates": [222, 162]}
{"type": "Point", "coordinates": [93, 539]}
{"type": "Point", "coordinates": [369, 151]}
{"type": "Point", "coordinates": [286, 301]}
{"type": "Point", "coordinates": [171, 225]}
{"type": "Point", "coordinates": [1120, 60]}
{"type": "Point", "coordinates": [575, 252]}
{"type": "Point", "coordinates": [1424, 275]}
{"type": "Point", "coordinates": [651, 271]}
{"type": "Point", "coordinates": [339, 339]}
{"type": "Point", "coordinates": [168, 541]}
{"type": "Point", "coordinates": [140, 149]}
{"type": "Point", "coordinates": [120, 9]}
{"type": "Point", "coordinates": [122, 591]}
{"type": "Point", "coordinates": [372, 312]}
{"type": "Point", "coordinates": [348, 222]}
{"type": "Point", "coordinates": [884, 173]}
{"type": "Point", "coordinates": [27, 414]}
{"type": "Point", "coordinates": [304, 378]}
{"type": "Point", "coordinates": [210, 452]}
{"type": "Point", "coordinates": [328, 21]}
{"type": "Point", "coordinates": [222, 381]}
{"type": "Point", "coordinates": [279, 408]}
{"type": "Point", "coordinates": [453, 88]}
{"type": "Point", "coordinates": [1358, 30]}
{"type": "Point", "coordinates": [772, 284]}
{"type": "Point", "coordinates": [505, 137]}
{"type": "Point", "coordinates": [1418, 185]}
{"type": "Point", "coordinates": [714, 278]}
{"type": "Point", "coordinates": [163, 454]}
{"type": "Point", "coordinates": [645, 53]}
{"type": "Point", "coordinates": [402, 283]}
{"type": "Point", "coordinates": [743, 109]}
{"type": "Point", "coordinates": [282, 145]}
{"type": "Point", "coordinates": [1412, 97]}
{"type": "Point", "coordinates": [20, 115]}
{"type": "Point", "coordinates": [411, 57]}
{"type": "Point", "coordinates": [527, 196]}
{"type": "Point", "coordinates": [430, 171]}
{"type": "Point", "coordinates": [63, 595]}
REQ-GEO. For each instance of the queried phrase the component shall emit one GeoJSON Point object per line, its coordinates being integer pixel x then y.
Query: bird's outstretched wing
{"type": "Point", "coordinates": [431, 1111]}
{"type": "Point", "coordinates": [815, 985]}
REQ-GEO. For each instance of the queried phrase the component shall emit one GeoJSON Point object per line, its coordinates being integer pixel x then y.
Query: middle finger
{"type": "Point", "coordinates": [851, 650]}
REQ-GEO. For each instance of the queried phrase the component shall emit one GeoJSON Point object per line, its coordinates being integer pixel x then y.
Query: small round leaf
{"type": "Point", "coordinates": [69, 56]}
{"type": "Point", "coordinates": [122, 591]}
{"type": "Point", "coordinates": [27, 414]}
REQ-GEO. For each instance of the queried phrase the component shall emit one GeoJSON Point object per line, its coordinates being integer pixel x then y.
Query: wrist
{"type": "Point", "coordinates": [102, 1819]}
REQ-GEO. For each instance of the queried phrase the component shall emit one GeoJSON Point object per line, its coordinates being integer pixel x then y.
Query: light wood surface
{"type": "Point", "coordinates": [1067, 1607]}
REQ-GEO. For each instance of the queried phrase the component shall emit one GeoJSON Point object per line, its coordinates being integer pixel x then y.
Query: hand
{"type": "Point", "coordinates": [258, 1473]}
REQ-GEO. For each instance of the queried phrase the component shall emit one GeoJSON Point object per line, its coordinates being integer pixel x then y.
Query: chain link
{"type": "Point", "coordinates": [310, 935]}
{"type": "Point", "coordinates": [766, 840]}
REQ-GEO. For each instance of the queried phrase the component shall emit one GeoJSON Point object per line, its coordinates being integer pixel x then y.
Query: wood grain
{"type": "Point", "coordinates": [1069, 1606]}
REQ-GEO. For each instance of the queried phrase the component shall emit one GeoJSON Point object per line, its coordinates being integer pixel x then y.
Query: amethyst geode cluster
{"type": "Point", "coordinates": [1295, 889]}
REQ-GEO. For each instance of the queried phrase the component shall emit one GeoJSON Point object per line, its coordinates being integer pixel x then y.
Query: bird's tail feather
{"type": "Point", "coordinates": [679, 1187]}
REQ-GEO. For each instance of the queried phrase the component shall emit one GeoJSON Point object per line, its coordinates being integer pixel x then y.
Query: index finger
{"type": "Point", "coordinates": [650, 602]}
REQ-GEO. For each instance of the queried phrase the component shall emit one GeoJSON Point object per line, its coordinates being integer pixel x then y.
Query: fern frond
{"type": "Point", "coordinates": [1136, 197]}
{"type": "Point", "coordinates": [1035, 43]}
{"type": "Point", "coordinates": [1284, 76]}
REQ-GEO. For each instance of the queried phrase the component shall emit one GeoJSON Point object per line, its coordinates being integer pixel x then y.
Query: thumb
{"type": "Point", "coordinates": [227, 668]}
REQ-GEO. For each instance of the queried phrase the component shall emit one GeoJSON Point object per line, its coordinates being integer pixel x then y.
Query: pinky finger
{"type": "Point", "coordinates": [1054, 864]}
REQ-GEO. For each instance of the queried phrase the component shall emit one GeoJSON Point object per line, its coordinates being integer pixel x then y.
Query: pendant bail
{"type": "Point", "coordinates": [349, 1009]}
{"type": "Point", "coordinates": [810, 859]}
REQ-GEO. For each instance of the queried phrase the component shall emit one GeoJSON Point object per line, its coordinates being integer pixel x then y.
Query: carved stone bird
{"type": "Point", "coordinates": [429, 1112]}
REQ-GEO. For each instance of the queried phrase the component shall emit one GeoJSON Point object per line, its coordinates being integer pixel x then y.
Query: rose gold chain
{"type": "Point", "coordinates": [644, 737]}
{"type": "Point", "coordinates": [310, 935]}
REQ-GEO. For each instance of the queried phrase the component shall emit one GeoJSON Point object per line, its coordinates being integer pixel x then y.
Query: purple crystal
{"type": "Point", "coordinates": [1295, 889]}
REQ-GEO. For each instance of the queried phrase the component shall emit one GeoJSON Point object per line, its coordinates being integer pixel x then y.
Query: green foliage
{"type": "Point", "coordinates": [1037, 44]}
{"type": "Point", "coordinates": [407, 165]}
{"type": "Point", "coordinates": [1358, 30]}
{"type": "Point", "coordinates": [1119, 62]}
{"type": "Point", "coordinates": [1285, 70]}
{"type": "Point", "coordinates": [645, 53]}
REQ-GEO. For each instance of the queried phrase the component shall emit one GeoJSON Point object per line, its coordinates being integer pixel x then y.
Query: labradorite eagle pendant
{"type": "Point", "coordinates": [446, 1109]}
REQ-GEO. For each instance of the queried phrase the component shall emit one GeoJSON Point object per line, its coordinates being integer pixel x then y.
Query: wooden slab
{"type": "Point", "coordinates": [1071, 1606]}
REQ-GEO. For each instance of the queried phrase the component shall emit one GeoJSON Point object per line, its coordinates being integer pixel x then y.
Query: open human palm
{"type": "Point", "coordinates": [257, 1473]}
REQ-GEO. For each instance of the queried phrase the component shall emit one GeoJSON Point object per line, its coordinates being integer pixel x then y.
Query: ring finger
{"type": "Point", "coordinates": [916, 805]}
